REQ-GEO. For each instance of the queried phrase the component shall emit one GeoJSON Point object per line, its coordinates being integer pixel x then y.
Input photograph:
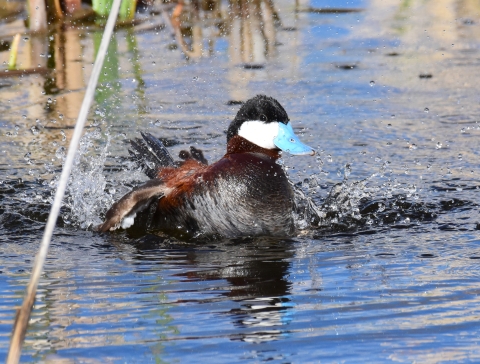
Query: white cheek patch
{"type": "Point", "coordinates": [259, 133]}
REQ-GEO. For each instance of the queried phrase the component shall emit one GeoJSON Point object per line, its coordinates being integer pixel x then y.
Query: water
{"type": "Point", "coordinates": [388, 273]}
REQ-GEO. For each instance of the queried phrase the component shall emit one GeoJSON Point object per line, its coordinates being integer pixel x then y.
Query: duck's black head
{"type": "Point", "coordinates": [264, 122]}
{"type": "Point", "coordinates": [259, 108]}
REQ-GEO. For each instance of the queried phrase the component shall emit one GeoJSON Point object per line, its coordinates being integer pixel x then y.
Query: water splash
{"type": "Point", "coordinates": [91, 191]}
{"type": "Point", "coordinates": [85, 196]}
{"type": "Point", "coordinates": [353, 205]}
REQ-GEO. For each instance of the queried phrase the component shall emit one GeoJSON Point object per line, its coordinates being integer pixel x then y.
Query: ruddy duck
{"type": "Point", "coordinates": [246, 193]}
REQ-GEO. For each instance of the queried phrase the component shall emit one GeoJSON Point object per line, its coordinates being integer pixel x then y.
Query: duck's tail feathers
{"type": "Point", "coordinates": [150, 154]}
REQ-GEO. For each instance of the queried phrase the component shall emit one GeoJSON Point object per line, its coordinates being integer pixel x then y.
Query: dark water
{"type": "Point", "coordinates": [389, 95]}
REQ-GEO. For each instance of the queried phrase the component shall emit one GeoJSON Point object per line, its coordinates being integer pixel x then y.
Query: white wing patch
{"type": "Point", "coordinates": [259, 133]}
{"type": "Point", "coordinates": [123, 212]}
{"type": "Point", "coordinates": [128, 221]}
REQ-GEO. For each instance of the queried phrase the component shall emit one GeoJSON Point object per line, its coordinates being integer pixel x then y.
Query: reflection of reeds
{"type": "Point", "coordinates": [57, 10]}
{"type": "Point", "coordinates": [250, 26]}
{"type": "Point", "coordinates": [127, 9]}
{"type": "Point", "coordinates": [37, 15]}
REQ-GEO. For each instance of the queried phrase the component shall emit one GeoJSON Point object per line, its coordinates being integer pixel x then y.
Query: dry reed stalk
{"type": "Point", "coordinates": [23, 314]}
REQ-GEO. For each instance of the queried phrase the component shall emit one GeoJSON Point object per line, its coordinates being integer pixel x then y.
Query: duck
{"type": "Point", "coordinates": [244, 194]}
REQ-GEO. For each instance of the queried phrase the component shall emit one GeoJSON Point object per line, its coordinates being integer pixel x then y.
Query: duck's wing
{"type": "Point", "coordinates": [123, 212]}
{"type": "Point", "coordinates": [150, 154]}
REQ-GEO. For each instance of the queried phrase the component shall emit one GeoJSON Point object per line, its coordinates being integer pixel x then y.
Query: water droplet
{"type": "Point", "coordinates": [347, 171]}
{"type": "Point", "coordinates": [324, 172]}
{"type": "Point", "coordinates": [372, 83]}
{"type": "Point", "coordinates": [34, 130]}
{"type": "Point", "coordinates": [100, 113]}
{"type": "Point", "coordinates": [60, 153]}
{"type": "Point", "coordinates": [49, 167]}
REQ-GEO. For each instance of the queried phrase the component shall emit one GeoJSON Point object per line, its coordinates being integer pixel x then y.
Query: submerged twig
{"type": "Point", "coordinates": [23, 315]}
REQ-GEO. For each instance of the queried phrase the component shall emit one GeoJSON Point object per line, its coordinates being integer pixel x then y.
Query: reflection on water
{"type": "Point", "coordinates": [390, 275]}
{"type": "Point", "coordinates": [68, 81]}
{"type": "Point", "coordinates": [249, 25]}
{"type": "Point", "coordinates": [256, 280]}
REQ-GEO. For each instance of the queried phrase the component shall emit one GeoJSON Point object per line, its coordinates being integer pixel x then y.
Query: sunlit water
{"type": "Point", "coordinates": [389, 271]}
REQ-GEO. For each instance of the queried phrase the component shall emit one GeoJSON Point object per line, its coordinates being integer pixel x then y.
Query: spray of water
{"type": "Point", "coordinates": [85, 197]}
{"type": "Point", "coordinates": [354, 204]}
{"type": "Point", "coordinates": [90, 190]}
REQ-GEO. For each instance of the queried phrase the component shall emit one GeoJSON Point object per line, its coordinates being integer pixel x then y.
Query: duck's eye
{"type": "Point", "coordinates": [292, 140]}
{"type": "Point", "coordinates": [263, 117]}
